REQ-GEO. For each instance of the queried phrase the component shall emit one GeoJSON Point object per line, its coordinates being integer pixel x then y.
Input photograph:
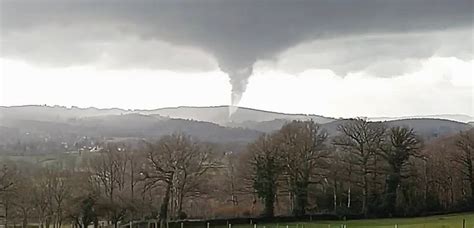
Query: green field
{"type": "Point", "coordinates": [444, 221]}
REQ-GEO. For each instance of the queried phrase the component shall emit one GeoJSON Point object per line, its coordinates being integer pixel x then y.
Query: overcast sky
{"type": "Point", "coordinates": [339, 58]}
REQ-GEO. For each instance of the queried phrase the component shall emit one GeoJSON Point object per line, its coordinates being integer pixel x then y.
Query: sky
{"type": "Point", "coordinates": [340, 58]}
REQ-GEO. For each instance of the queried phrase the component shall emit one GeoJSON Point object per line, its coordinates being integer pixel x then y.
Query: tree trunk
{"type": "Point", "coordinates": [470, 170]}
{"type": "Point", "coordinates": [365, 192]}
{"type": "Point", "coordinates": [6, 214]}
{"type": "Point", "coordinates": [472, 189]}
{"type": "Point", "coordinates": [349, 197]}
{"type": "Point", "coordinates": [25, 219]}
{"type": "Point", "coordinates": [391, 196]}
{"type": "Point", "coordinates": [269, 203]}
{"type": "Point", "coordinates": [164, 206]}
{"type": "Point", "coordinates": [180, 202]}
{"type": "Point", "coordinates": [335, 196]}
{"type": "Point", "coordinates": [301, 198]}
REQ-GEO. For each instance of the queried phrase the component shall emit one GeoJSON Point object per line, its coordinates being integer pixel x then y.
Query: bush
{"type": "Point", "coordinates": [183, 215]}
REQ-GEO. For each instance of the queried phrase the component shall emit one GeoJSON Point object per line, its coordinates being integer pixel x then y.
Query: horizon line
{"type": "Point", "coordinates": [228, 106]}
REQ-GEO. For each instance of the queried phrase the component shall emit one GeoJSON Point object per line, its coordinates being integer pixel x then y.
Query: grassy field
{"type": "Point", "coordinates": [444, 221]}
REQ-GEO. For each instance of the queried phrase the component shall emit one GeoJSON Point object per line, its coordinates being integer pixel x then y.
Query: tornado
{"type": "Point", "coordinates": [238, 80]}
{"type": "Point", "coordinates": [237, 33]}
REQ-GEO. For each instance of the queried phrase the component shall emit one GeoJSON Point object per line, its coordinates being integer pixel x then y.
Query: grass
{"type": "Point", "coordinates": [443, 221]}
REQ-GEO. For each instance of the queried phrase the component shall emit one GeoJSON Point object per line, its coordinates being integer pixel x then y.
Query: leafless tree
{"type": "Point", "coordinates": [8, 180]}
{"type": "Point", "coordinates": [109, 170]}
{"type": "Point", "coordinates": [266, 166]}
{"type": "Point", "coordinates": [362, 139]}
{"type": "Point", "coordinates": [465, 157]}
{"type": "Point", "coordinates": [304, 154]}
{"type": "Point", "coordinates": [179, 163]}
{"type": "Point", "coordinates": [401, 145]}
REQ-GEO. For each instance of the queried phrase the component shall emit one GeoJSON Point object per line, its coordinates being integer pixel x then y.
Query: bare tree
{"type": "Point", "coordinates": [82, 206]}
{"type": "Point", "coordinates": [7, 176]}
{"type": "Point", "coordinates": [362, 139]}
{"type": "Point", "coordinates": [60, 190]}
{"type": "Point", "coordinates": [266, 165]}
{"type": "Point", "coordinates": [109, 171]}
{"type": "Point", "coordinates": [43, 199]}
{"type": "Point", "coordinates": [464, 156]}
{"type": "Point", "coordinates": [8, 180]}
{"type": "Point", "coordinates": [231, 177]}
{"type": "Point", "coordinates": [179, 162]}
{"type": "Point", "coordinates": [402, 144]}
{"type": "Point", "coordinates": [303, 153]}
{"type": "Point", "coordinates": [194, 164]}
{"type": "Point", "coordinates": [23, 203]}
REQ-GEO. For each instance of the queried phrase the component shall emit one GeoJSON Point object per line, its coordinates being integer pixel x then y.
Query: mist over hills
{"type": "Point", "coordinates": [54, 113]}
{"type": "Point", "coordinates": [453, 117]}
{"type": "Point", "coordinates": [46, 129]}
{"type": "Point", "coordinates": [427, 128]}
{"type": "Point", "coordinates": [213, 114]}
{"type": "Point", "coordinates": [220, 115]}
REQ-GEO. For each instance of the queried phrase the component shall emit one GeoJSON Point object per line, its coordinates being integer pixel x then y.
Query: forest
{"type": "Point", "coordinates": [368, 169]}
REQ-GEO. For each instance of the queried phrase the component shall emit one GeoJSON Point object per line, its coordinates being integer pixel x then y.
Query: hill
{"type": "Point", "coordinates": [44, 129]}
{"type": "Point", "coordinates": [54, 113]}
{"type": "Point", "coordinates": [432, 128]}
{"type": "Point", "coordinates": [453, 117]}
{"type": "Point", "coordinates": [220, 115]}
{"type": "Point", "coordinates": [428, 129]}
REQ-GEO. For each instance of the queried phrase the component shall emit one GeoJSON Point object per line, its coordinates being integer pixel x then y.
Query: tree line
{"type": "Point", "coordinates": [368, 169]}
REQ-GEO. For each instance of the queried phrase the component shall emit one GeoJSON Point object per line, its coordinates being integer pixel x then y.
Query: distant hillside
{"type": "Point", "coordinates": [453, 117]}
{"type": "Point", "coordinates": [44, 129]}
{"type": "Point", "coordinates": [18, 136]}
{"type": "Point", "coordinates": [263, 126]}
{"type": "Point", "coordinates": [220, 115]}
{"type": "Point", "coordinates": [427, 128]}
{"type": "Point", "coordinates": [243, 117]}
{"type": "Point", "coordinates": [432, 128]}
{"type": "Point", "coordinates": [54, 113]}
{"type": "Point", "coordinates": [132, 125]}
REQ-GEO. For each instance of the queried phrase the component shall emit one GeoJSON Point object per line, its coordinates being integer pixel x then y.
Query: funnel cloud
{"type": "Point", "coordinates": [229, 35]}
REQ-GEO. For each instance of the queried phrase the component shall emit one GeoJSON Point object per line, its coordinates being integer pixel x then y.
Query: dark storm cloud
{"type": "Point", "coordinates": [381, 55]}
{"type": "Point", "coordinates": [237, 33]}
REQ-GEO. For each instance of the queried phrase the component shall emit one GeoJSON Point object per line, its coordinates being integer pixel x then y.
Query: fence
{"type": "Point", "coordinates": [446, 223]}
